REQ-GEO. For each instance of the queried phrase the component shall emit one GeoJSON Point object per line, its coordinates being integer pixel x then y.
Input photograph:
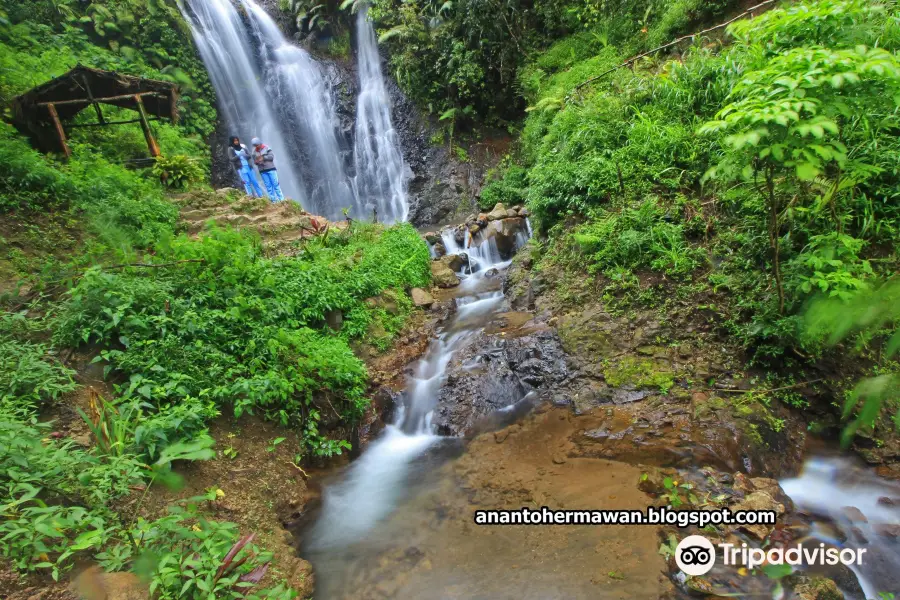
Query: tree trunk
{"type": "Point", "coordinates": [774, 237]}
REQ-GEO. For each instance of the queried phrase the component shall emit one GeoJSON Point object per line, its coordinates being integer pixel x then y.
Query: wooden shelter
{"type": "Point", "coordinates": [42, 111]}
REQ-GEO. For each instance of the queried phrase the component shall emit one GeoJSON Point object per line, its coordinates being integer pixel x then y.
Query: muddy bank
{"type": "Point", "coordinates": [262, 491]}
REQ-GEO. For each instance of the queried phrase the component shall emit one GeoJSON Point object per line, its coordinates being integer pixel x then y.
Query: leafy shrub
{"type": "Point", "coordinates": [29, 376]}
{"type": "Point", "coordinates": [178, 172]}
{"type": "Point", "coordinates": [778, 151]}
{"type": "Point", "coordinates": [508, 190]}
{"type": "Point", "coordinates": [636, 238]}
{"type": "Point", "coordinates": [242, 329]}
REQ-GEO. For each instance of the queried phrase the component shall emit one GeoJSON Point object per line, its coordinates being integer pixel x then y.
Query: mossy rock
{"type": "Point", "coordinates": [639, 373]}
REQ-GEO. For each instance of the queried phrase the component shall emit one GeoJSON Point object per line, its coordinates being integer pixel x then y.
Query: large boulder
{"type": "Point", "coordinates": [499, 212]}
{"type": "Point", "coordinates": [442, 275]}
{"type": "Point", "coordinates": [421, 298]}
{"type": "Point", "coordinates": [454, 261]}
{"type": "Point", "coordinates": [494, 372]}
{"type": "Point", "coordinates": [505, 233]}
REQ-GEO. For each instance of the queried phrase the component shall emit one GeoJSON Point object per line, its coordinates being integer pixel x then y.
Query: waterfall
{"type": "Point", "coordinates": [297, 86]}
{"type": "Point", "coordinates": [380, 170]}
{"type": "Point", "coordinates": [227, 52]}
{"type": "Point", "coordinates": [269, 88]}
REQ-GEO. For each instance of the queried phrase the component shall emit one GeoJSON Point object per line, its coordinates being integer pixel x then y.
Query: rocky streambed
{"type": "Point", "coordinates": [517, 402]}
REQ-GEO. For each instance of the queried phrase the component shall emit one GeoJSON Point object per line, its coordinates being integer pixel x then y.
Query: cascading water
{"type": "Point", "coordinates": [227, 52]}
{"type": "Point", "coordinates": [297, 86]}
{"type": "Point", "coordinates": [373, 486]}
{"type": "Point", "coordinates": [380, 171]}
{"type": "Point", "coordinates": [852, 508]}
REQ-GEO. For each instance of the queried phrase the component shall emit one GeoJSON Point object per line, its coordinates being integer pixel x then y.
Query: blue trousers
{"type": "Point", "coordinates": [270, 180]}
{"type": "Point", "coordinates": [251, 185]}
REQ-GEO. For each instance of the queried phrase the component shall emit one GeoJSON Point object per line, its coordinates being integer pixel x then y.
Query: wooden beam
{"type": "Point", "coordinates": [87, 88]}
{"type": "Point", "coordinates": [60, 132]}
{"type": "Point", "coordinates": [145, 125]}
{"type": "Point", "coordinates": [73, 125]}
{"type": "Point", "coordinates": [108, 99]}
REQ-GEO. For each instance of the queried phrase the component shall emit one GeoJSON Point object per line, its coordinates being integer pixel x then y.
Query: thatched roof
{"type": "Point", "coordinates": [159, 97]}
{"type": "Point", "coordinates": [81, 87]}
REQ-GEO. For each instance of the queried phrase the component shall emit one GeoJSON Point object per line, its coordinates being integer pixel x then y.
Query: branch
{"type": "Point", "coordinates": [154, 266]}
{"type": "Point", "coordinates": [673, 42]}
{"type": "Point", "coordinates": [760, 392]}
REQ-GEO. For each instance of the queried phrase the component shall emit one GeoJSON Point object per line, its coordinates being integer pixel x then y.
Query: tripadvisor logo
{"type": "Point", "coordinates": [696, 555]}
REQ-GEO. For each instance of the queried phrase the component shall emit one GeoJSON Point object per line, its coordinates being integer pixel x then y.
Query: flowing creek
{"type": "Point", "coordinates": [398, 521]}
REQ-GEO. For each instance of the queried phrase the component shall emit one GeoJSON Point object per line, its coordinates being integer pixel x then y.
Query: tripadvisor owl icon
{"type": "Point", "coordinates": [695, 555]}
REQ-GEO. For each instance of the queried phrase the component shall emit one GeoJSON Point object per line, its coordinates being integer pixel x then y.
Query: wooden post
{"type": "Point", "coordinates": [145, 125]}
{"type": "Point", "coordinates": [60, 132]}
{"type": "Point", "coordinates": [87, 88]}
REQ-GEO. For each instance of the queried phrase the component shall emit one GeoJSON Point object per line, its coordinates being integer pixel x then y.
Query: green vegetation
{"type": "Point", "coordinates": [92, 261]}
{"type": "Point", "coordinates": [638, 373]}
{"type": "Point", "coordinates": [760, 171]}
{"type": "Point", "coordinates": [467, 55]}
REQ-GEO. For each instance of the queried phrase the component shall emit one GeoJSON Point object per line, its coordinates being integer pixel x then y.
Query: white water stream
{"type": "Point", "coordinates": [372, 486]}
{"type": "Point", "coordinates": [852, 509]}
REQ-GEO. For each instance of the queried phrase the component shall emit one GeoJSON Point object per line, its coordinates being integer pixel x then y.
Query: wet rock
{"type": "Point", "coordinates": [854, 514]}
{"type": "Point", "coordinates": [888, 530]}
{"type": "Point", "coordinates": [885, 501]}
{"type": "Point", "coordinates": [432, 237]}
{"type": "Point", "coordinates": [491, 273]}
{"type": "Point", "coordinates": [454, 261]}
{"type": "Point", "coordinates": [626, 396]}
{"type": "Point", "coordinates": [601, 433]}
{"type": "Point", "coordinates": [495, 372]}
{"type": "Point", "coordinates": [459, 236]}
{"type": "Point", "coordinates": [771, 487]}
{"type": "Point", "coordinates": [442, 275]}
{"type": "Point", "coordinates": [511, 213]}
{"type": "Point", "coordinates": [759, 501]}
{"type": "Point", "coordinates": [505, 234]}
{"type": "Point", "coordinates": [421, 298]}
{"type": "Point", "coordinates": [439, 249]}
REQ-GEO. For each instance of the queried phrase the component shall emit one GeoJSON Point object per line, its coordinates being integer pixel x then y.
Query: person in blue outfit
{"type": "Point", "coordinates": [241, 161]}
{"type": "Point", "coordinates": [264, 158]}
